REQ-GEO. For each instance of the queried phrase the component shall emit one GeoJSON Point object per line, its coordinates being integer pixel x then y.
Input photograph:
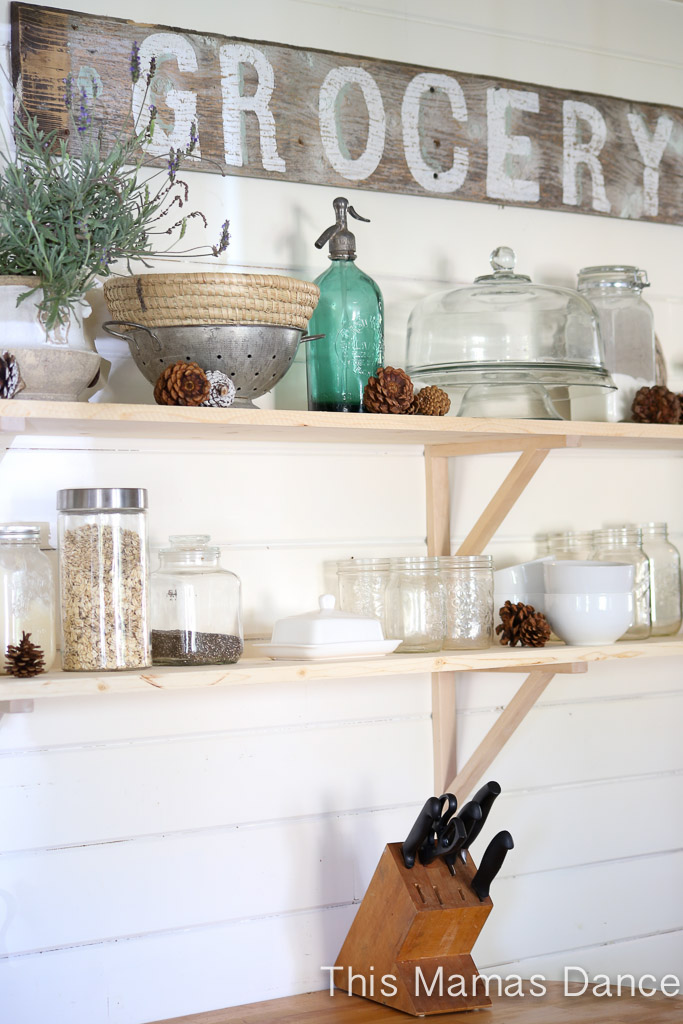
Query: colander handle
{"type": "Point", "coordinates": [312, 337]}
{"type": "Point", "coordinates": [109, 328]}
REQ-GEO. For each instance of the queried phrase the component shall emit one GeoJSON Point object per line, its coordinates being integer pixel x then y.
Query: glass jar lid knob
{"type": "Point", "coordinates": [503, 258]}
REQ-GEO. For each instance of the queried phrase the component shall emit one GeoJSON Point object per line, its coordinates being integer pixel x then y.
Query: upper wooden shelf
{"type": "Point", "coordinates": [93, 419]}
{"type": "Point", "coordinates": [250, 670]}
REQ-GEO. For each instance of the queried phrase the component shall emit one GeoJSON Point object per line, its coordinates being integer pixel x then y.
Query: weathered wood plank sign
{"type": "Point", "coordinates": [274, 111]}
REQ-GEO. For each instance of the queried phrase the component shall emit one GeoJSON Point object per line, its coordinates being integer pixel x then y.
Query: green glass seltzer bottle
{"type": "Point", "coordinates": [350, 313]}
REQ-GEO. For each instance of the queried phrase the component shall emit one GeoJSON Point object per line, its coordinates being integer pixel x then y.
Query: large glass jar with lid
{"type": "Point", "coordinates": [196, 605]}
{"type": "Point", "coordinates": [506, 346]}
{"type": "Point", "coordinates": [625, 544]}
{"type": "Point", "coordinates": [104, 578]}
{"type": "Point", "coordinates": [627, 330]}
{"type": "Point", "coordinates": [665, 579]}
{"type": "Point", "coordinates": [414, 604]}
{"type": "Point", "coordinates": [362, 584]}
{"type": "Point", "coordinates": [27, 591]}
{"type": "Point", "coordinates": [468, 601]}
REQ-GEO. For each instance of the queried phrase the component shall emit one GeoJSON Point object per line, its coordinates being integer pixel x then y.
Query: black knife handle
{"type": "Point", "coordinates": [484, 797]}
{"type": "Point", "coordinates": [438, 844]}
{"type": "Point", "coordinates": [423, 823]}
{"type": "Point", "coordinates": [491, 863]}
{"type": "Point", "coordinates": [470, 814]}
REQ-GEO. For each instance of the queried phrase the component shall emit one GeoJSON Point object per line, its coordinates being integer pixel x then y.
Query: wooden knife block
{"type": "Point", "coordinates": [420, 917]}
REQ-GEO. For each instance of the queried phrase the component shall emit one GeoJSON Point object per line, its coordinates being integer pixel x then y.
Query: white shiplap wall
{"type": "Point", "coordinates": [168, 853]}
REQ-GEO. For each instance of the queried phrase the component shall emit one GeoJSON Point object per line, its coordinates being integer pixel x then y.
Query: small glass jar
{"type": "Point", "coordinates": [468, 601]}
{"type": "Point", "coordinates": [665, 579]}
{"type": "Point", "coordinates": [196, 606]}
{"type": "Point", "coordinates": [414, 604]}
{"type": "Point", "coordinates": [362, 584]}
{"type": "Point", "coordinates": [571, 545]}
{"type": "Point", "coordinates": [104, 578]}
{"type": "Point", "coordinates": [624, 544]}
{"type": "Point", "coordinates": [27, 592]}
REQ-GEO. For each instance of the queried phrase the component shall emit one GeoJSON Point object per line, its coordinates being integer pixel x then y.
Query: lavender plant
{"type": "Point", "coordinates": [68, 217]}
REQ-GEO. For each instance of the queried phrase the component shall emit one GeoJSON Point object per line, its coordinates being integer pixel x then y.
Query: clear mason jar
{"type": "Point", "coordinates": [624, 544]}
{"type": "Point", "coordinates": [468, 601]}
{"type": "Point", "coordinates": [665, 579]}
{"type": "Point", "coordinates": [414, 604]}
{"type": "Point", "coordinates": [104, 578]}
{"type": "Point", "coordinates": [362, 585]}
{"type": "Point", "coordinates": [196, 606]}
{"type": "Point", "coordinates": [571, 545]}
{"type": "Point", "coordinates": [27, 592]}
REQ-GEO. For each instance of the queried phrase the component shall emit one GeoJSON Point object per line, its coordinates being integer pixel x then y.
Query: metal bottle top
{"type": "Point", "coordinates": [342, 241]}
{"type": "Point", "coordinates": [102, 499]}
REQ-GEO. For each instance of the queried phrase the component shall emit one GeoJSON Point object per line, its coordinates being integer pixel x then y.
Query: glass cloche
{"type": "Point", "coordinates": [507, 347]}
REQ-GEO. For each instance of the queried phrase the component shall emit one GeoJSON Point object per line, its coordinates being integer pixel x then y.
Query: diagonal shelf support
{"type": "Point", "coordinates": [499, 733]}
{"type": "Point", "coordinates": [502, 501]}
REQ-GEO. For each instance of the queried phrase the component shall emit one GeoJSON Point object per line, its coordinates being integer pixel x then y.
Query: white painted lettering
{"type": "Point", "coordinates": [568, 981]}
{"type": "Point", "coordinates": [576, 152]}
{"type": "Point", "coordinates": [233, 56]}
{"type": "Point", "coordinates": [431, 179]}
{"type": "Point", "coordinates": [500, 184]}
{"type": "Point", "coordinates": [651, 149]}
{"type": "Point", "coordinates": [165, 46]}
{"type": "Point", "coordinates": [337, 81]}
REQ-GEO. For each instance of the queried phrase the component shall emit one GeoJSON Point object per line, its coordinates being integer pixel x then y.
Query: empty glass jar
{"type": "Point", "coordinates": [665, 579]}
{"type": "Point", "coordinates": [104, 578]}
{"type": "Point", "coordinates": [624, 544]}
{"type": "Point", "coordinates": [571, 544]}
{"type": "Point", "coordinates": [196, 607]}
{"type": "Point", "coordinates": [468, 601]}
{"type": "Point", "coordinates": [27, 592]}
{"type": "Point", "coordinates": [414, 604]}
{"type": "Point", "coordinates": [362, 584]}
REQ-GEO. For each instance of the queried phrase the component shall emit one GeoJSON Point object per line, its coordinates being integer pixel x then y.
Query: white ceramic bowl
{"type": "Point", "coordinates": [570, 577]}
{"type": "Point", "coordinates": [523, 582]}
{"type": "Point", "coordinates": [584, 619]}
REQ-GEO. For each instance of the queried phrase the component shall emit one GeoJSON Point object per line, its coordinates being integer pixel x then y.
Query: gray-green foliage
{"type": "Point", "coordinates": [67, 217]}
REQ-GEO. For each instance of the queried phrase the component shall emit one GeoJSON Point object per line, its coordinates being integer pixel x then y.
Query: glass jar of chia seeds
{"type": "Point", "coordinates": [196, 606]}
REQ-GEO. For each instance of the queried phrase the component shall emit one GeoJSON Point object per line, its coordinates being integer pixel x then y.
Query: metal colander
{"type": "Point", "coordinates": [254, 356]}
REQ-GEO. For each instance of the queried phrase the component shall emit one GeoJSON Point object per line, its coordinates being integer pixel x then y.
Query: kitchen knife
{"type": "Point", "coordinates": [424, 823]}
{"type": "Point", "coordinates": [470, 814]}
{"type": "Point", "coordinates": [491, 863]}
{"type": "Point", "coordinates": [484, 797]}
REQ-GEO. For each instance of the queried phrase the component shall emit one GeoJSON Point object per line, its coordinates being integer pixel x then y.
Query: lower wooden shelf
{"type": "Point", "coordinates": [251, 671]}
{"type": "Point", "coordinates": [552, 1008]}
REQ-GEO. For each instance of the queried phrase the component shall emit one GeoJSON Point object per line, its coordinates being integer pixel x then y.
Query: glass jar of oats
{"type": "Point", "coordinates": [104, 578]}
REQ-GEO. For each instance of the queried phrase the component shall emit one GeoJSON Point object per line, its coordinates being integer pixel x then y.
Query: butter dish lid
{"type": "Point", "coordinates": [326, 626]}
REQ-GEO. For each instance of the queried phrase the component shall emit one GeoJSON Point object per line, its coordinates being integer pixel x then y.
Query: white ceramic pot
{"type": "Point", "coordinates": [23, 326]}
{"type": "Point", "coordinates": [60, 374]}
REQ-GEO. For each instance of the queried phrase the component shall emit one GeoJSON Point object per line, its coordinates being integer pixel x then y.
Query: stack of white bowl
{"type": "Point", "coordinates": [588, 602]}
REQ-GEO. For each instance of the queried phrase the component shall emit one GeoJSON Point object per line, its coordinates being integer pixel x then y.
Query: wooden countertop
{"type": "Point", "coordinates": [552, 1008]}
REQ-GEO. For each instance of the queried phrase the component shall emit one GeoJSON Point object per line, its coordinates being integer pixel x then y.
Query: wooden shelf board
{"type": "Point", "coordinates": [93, 419]}
{"type": "Point", "coordinates": [250, 670]}
{"type": "Point", "coordinates": [551, 1008]}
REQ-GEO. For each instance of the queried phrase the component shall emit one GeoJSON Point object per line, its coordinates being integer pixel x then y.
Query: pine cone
{"type": "Point", "coordinates": [656, 405]}
{"type": "Point", "coordinates": [534, 631]}
{"type": "Point", "coordinates": [522, 624]}
{"type": "Point", "coordinates": [222, 393]}
{"type": "Point", "coordinates": [24, 659]}
{"type": "Point", "coordinates": [430, 401]}
{"type": "Point", "coordinates": [390, 391]}
{"type": "Point", "coordinates": [10, 378]}
{"type": "Point", "coordinates": [182, 384]}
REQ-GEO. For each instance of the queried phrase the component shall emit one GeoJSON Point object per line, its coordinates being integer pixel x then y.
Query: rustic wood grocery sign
{"type": "Point", "coordinates": [273, 111]}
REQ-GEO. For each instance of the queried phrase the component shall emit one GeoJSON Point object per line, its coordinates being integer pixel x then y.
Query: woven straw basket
{"type": "Point", "coordinates": [171, 300]}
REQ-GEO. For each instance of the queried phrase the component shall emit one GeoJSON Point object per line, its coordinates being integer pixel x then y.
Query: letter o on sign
{"type": "Point", "coordinates": [366, 163]}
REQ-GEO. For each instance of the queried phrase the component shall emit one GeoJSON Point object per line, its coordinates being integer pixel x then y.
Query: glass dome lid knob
{"type": "Point", "coordinates": [503, 258]}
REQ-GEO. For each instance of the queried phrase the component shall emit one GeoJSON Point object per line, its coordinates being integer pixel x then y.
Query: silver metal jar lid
{"type": "Point", "coordinates": [102, 499]}
{"type": "Point", "coordinates": [19, 531]}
